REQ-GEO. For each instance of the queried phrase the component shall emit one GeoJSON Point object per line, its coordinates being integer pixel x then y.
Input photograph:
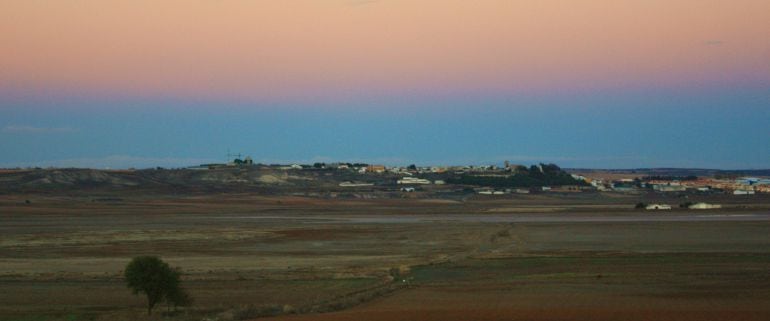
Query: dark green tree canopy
{"type": "Point", "coordinates": [156, 279]}
{"type": "Point", "coordinates": [535, 176]}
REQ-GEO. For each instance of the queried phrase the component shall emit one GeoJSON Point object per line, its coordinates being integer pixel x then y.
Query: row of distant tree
{"type": "Point", "coordinates": [323, 165]}
{"type": "Point", "coordinates": [534, 176]}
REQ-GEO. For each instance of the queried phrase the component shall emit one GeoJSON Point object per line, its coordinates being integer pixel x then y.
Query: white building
{"type": "Point", "coordinates": [413, 180]}
{"type": "Point", "coordinates": [658, 207]}
{"type": "Point", "coordinates": [579, 177]}
{"type": "Point", "coordinates": [743, 192]}
{"type": "Point", "coordinates": [704, 206]}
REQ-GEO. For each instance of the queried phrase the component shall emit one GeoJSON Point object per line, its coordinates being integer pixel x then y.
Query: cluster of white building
{"type": "Point", "coordinates": [696, 206]}
{"type": "Point", "coordinates": [741, 186]}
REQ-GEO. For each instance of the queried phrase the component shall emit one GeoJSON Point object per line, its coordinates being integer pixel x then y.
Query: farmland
{"type": "Point", "coordinates": [246, 256]}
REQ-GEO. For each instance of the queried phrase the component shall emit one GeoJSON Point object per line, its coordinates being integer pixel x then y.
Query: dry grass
{"type": "Point", "coordinates": [246, 256]}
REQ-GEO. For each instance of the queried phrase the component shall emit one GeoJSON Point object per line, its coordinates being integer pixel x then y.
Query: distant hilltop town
{"type": "Point", "coordinates": [515, 178]}
{"type": "Point", "coordinates": [344, 179]}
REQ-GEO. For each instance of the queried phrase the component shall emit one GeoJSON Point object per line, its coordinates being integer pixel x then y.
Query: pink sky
{"type": "Point", "coordinates": [272, 51]}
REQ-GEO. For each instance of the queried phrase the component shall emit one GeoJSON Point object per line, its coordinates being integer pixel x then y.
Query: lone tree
{"type": "Point", "coordinates": [177, 296]}
{"type": "Point", "coordinates": [156, 279]}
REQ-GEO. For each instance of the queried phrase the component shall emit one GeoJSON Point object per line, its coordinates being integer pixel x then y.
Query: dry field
{"type": "Point", "coordinates": [61, 258]}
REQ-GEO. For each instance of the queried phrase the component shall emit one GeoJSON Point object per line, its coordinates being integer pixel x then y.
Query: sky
{"type": "Point", "coordinates": [581, 83]}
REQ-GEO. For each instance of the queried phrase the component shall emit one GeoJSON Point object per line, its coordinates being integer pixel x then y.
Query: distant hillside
{"type": "Point", "coordinates": [151, 179]}
{"type": "Point", "coordinates": [275, 180]}
{"type": "Point", "coordinates": [265, 179]}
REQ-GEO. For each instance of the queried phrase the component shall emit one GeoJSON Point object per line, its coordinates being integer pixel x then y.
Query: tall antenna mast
{"type": "Point", "coordinates": [230, 156]}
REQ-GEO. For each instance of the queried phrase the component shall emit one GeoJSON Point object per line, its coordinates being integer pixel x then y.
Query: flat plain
{"type": "Point", "coordinates": [246, 256]}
